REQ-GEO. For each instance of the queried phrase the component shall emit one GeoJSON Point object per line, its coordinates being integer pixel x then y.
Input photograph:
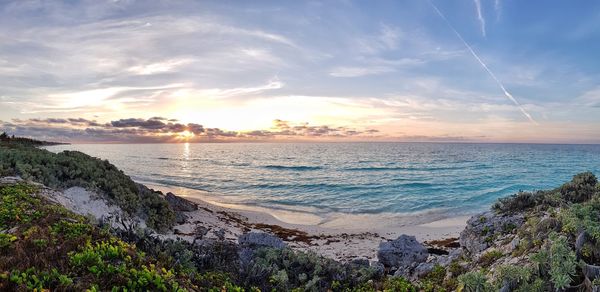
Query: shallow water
{"type": "Point", "coordinates": [353, 178]}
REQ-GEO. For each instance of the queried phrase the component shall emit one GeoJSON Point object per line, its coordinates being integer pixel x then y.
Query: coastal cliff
{"type": "Point", "coordinates": [72, 222]}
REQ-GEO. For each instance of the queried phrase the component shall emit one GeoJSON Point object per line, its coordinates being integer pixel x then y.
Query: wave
{"type": "Point", "coordinates": [292, 168]}
{"type": "Point", "coordinates": [402, 168]}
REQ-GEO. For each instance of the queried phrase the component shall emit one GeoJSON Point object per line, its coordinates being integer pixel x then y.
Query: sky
{"type": "Point", "coordinates": [193, 71]}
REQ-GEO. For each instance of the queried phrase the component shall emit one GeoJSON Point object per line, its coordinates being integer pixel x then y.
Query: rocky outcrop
{"type": "Point", "coordinates": [180, 204]}
{"type": "Point", "coordinates": [483, 228]}
{"type": "Point", "coordinates": [9, 180]}
{"type": "Point", "coordinates": [260, 239]}
{"type": "Point", "coordinates": [402, 252]}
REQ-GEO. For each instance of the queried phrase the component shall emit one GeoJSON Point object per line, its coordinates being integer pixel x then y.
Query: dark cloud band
{"type": "Point", "coordinates": [160, 129]}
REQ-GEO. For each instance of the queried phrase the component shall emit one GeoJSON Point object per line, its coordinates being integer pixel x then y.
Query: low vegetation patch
{"type": "Point", "coordinates": [44, 246]}
{"type": "Point", "coordinates": [72, 168]}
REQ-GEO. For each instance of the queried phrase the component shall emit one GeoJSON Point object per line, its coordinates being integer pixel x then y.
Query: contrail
{"type": "Point", "coordinates": [506, 93]}
{"type": "Point", "coordinates": [480, 16]}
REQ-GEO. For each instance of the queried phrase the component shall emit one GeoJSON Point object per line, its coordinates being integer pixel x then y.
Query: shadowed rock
{"type": "Point", "coordinates": [260, 239]}
{"type": "Point", "coordinates": [180, 204]}
{"type": "Point", "coordinates": [485, 226]}
{"type": "Point", "coordinates": [402, 252]}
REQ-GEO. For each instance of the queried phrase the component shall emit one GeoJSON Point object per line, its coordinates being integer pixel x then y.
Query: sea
{"type": "Point", "coordinates": [429, 181]}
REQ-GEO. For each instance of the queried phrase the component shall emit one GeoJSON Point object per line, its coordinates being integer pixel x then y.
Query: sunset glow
{"type": "Point", "coordinates": [403, 71]}
{"type": "Point", "coordinates": [185, 135]}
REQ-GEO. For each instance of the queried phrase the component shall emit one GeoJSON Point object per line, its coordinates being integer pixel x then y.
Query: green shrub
{"type": "Point", "coordinates": [580, 189]}
{"type": "Point", "coordinates": [563, 262]}
{"type": "Point", "coordinates": [475, 282]}
{"type": "Point", "coordinates": [17, 206]}
{"type": "Point", "coordinates": [490, 257]}
{"type": "Point", "coordinates": [536, 285]}
{"type": "Point", "coordinates": [72, 168]}
{"type": "Point", "coordinates": [512, 275]}
{"type": "Point", "coordinates": [398, 284]}
{"type": "Point", "coordinates": [6, 240]}
{"type": "Point", "coordinates": [285, 269]}
{"type": "Point", "coordinates": [519, 202]}
{"type": "Point", "coordinates": [556, 261]}
{"type": "Point", "coordinates": [434, 280]}
{"type": "Point", "coordinates": [582, 217]}
{"type": "Point", "coordinates": [36, 280]}
{"type": "Point", "coordinates": [70, 229]}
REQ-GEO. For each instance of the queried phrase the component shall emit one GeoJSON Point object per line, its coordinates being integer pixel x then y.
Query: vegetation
{"type": "Point", "coordinates": [561, 224]}
{"type": "Point", "coordinates": [72, 168]}
{"type": "Point", "coordinates": [581, 188]}
{"type": "Point", "coordinates": [475, 282]}
{"type": "Point", "coordinates": [6, 139]}
{"type": "Point", "coordinates": [489, 257]}
{"type": "Point", "coordinates": [45, 246]}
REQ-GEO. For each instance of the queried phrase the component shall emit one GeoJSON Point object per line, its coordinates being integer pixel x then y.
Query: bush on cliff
{"type": "Point", "coordinates": [46, 247]}
{"type": "Point", "coordinates": [72, 168]}
{"type": "Point", "coordinates": [581, 188]}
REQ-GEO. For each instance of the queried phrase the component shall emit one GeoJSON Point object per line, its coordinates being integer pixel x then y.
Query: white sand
{"type": "Point", "coordinates": [341, 236]}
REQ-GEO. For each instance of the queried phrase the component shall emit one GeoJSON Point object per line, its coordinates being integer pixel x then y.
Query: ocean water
{"type": "Point", "coordinates": [353, 178]}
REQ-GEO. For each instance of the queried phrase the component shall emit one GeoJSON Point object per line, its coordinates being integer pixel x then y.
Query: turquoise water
{"type": "Point", "coordinates": [356, 178]}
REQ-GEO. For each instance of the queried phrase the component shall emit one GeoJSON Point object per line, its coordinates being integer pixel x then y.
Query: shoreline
{"type": "Point", "coordinates": [334, 239]}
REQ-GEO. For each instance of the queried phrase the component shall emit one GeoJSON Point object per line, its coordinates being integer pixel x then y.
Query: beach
{"type": "Point", "coordinates": [344, 238]}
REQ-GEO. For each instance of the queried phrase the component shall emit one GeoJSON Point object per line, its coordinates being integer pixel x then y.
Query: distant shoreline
{"type": "Point", "coordinates": [332, 142]}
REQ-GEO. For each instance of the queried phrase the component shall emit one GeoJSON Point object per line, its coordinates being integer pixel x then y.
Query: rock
{"type": "Point", "coordinates": [422, 269]}
{"type": "Point", "coordinates": [445, 260]}
{"type": "Point", "coordinates": [403, 272]}
{"type": "Point", "coordinates": [260, 239]}
{"type": "Point", "coordinates": [378, 267]}
{"type": "Point", "coordinates": [582, 238]}
{"type": "Point", "coordinates": [10, 231]}
{"type": "Point", "coordinates": [455, 253]}
{"type": "Point", "coordinates": [515, 243]}
{"type": "Point", "coordinates": [9, 180]}
{"type": "Point", "coordinates": [180, 218]}
{"type": "Point", "coordinates": [437, 251]}
{"type": "Point", "coordinates": [402, 252]}
{"type": "Point", "coordinates": [180, 204]}
{"type": "Point", "coordinates": [220, 233]}
{"type": "Point", "coordinates": [246, 255]}
{"type": "Point", "coordinates": [483, 228]}
{"type": "Point", "coordinates": [200, 231]}
{"type": "Point", "coordinates": [591, 272]}
{"type": "Point", "coordinates": [361, 262]}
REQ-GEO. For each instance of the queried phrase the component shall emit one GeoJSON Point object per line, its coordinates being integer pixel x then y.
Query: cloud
{"type": "Point", "coordinates": [284, 128]}
{"type": "Point", "coordinates": [359, 71]}
{"type": "Point", "coordinates": [386, 39]}
{"type": "Point", "coordinates": [590, 98]}
{"type": "Point", "coordinates": [480, 16]}
{"type": "Point", "coordinates": [160, 130]}
{"type": "Point", "coordinates": [498, 8]}
{"type": "Point", "coordinates": [160, 67]}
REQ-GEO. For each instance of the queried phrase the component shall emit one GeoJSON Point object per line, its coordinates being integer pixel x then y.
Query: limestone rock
{"type": "Point", "coordinates": [483, 228]}
{"type": "Point", "coordinates": [260, 239]}
{"type": "Point", "coordinates": [180, 204]}
{"type": "Point", "coordinates": [402, 252]}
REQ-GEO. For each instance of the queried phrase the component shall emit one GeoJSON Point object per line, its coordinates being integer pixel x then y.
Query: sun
{"type": "Point", "coordinates": [185, 135]}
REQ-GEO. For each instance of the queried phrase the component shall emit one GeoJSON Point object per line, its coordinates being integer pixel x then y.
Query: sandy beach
{"type": "Point", "coordinates": [340, 237]}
